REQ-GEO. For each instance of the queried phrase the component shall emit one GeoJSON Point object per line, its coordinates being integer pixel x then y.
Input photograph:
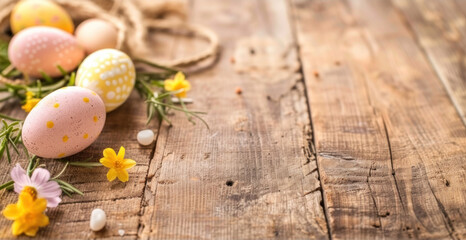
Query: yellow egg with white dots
{"type": "Point", "coordinates": [64, 122]}
{"type": "Point", "coordinates": [29, 13]}
{"type": "Point", "coordinates": [110, 73]}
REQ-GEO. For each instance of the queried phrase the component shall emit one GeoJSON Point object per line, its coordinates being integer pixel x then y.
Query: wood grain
{"type": "Point", "coordinates": [440, 28]}
{"type": "Point", "coordinates": [390, 144]}
{"type": "Point", "coordinates": [121, 201]}
{"type": "Point", "coordinates": [251, 176]}
{"type": "Point", "coordinates": [383, 157]}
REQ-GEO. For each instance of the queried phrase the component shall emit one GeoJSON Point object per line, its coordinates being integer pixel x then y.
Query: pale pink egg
{"type": "Point", "coordinates": [37, 49]}
{"type": "Point", "coordinates": [64, 123]}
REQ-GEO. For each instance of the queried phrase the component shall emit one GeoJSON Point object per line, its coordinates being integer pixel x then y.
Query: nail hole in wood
{"type": "Point", "coordinates": [229, 183]}
{"type": "Point", "coordinates": [386, 214]}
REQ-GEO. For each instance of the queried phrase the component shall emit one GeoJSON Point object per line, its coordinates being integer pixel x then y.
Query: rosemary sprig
{"type": "Point", "coordinates": [10, 136]}
{"type": "Point", "coordinates": [151, 88]}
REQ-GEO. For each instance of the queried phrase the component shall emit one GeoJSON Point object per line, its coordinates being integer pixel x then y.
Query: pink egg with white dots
{"type": "Point", "coordinates": [64, 123]}
{"type": "Point", "coordinates": [42, 48]}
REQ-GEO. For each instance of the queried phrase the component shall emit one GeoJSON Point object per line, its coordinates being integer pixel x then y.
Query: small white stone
{"type": "Point", "coordinates": [121, 232]}
{"type": "Point", "coordinates": [145, 137]}
{"type": "Point", "coordinates": [98, 219]}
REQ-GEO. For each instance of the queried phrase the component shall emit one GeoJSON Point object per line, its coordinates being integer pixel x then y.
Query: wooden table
{"type": "Point", "coordinates": [350, 125]}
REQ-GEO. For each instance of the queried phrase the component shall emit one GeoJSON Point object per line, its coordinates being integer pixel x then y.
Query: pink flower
{"type": "Point", "coordinates": [38, 184]}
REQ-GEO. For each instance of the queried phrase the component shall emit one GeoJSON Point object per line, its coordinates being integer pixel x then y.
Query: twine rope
{"type": "Point", "coordinates": [133, 19]}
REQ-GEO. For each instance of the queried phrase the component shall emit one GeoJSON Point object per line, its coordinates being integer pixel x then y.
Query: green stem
{"type": "Point", "coordinates": [62, 171]}
{"type": "Point", "coordinates": [175, 108]}
{"type": "Point", "coordinates": [172, 70]}
{"type": "Point", "coordinates": [71, 187]}
{"type": "Point", "coordinates": [186, 111]}
{"type": "Point", "coordinates": [85, 164]}
{"type": "Point", "coordinates": [7, 184]}
{"type": "Point", "coordinates": [146, 88]}
{"type": "Point", "coordinates": [31, 165]}
{"type": "Point", "coordinates": [8, 117]}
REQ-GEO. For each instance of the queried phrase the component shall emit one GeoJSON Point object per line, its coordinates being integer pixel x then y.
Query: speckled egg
{"type": "Point", "coordinates": [64, 122]}
{"type": "Point", "coordinates": [110, 73]}
{"type": "Point", "coordinates": [29, 13]}
{"type": "Point", "coordinates": [39, 49]}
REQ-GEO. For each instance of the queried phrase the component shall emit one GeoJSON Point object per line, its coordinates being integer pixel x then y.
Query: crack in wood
{"type": "Point", "coordinates": [447, 219]}
{"type": "Point", "coordinates": [391, 163]}
{"type": "Point", "coordinates": [148, 178]}
{"type": "Point", "coordinates": [310, 134]}
{"type": "Point", "coordinates": [373, 197]}
{"type": "Point", "coordinates": [313, 191]}
{"type": "Point", "coordinates": [312, 171]}
{"type": "Point", "coordinates": [99, 200]}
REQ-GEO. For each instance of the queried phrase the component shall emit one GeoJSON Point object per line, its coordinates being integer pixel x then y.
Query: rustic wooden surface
{"type": "Point", "coordinates": [350, 125]}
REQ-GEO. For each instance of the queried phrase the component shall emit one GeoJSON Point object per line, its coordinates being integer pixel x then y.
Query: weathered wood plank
{"type": "Point", "coordinates": [353, 153]}
{"type": "Point", "coordinates": [121, 201]}
{"type": "Point", "coordinates": [251, 176]}
{"type": "Point", "coordinates": [440, 28]}
{"type": "Point", "coordinates": [390, 144]}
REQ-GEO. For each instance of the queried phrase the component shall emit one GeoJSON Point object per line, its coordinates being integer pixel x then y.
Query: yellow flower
{"type": "Point", "coordinates": [28, 214]}
{"type": "Point", "coordinates": [30, 102]}
{"type": "Point", "coordinates": [117, 164]}
{"type": "Point", "coordinates": [178, 83]}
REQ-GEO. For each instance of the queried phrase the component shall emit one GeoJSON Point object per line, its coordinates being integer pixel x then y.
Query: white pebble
{"type": "Point", "coordinates": [121, 232]}
{"type": "Point", "coordinates": [145, 137]}
{"type": "Point", "coordinates": [98, 219]}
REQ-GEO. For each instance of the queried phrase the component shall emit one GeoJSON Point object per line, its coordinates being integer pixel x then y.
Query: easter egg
{"type": "Point", "coordinates": [110, 73]}
{"type": "Point", "coordinates": [29, 13]}
{"type": "Point", "coordinates": [39, 49]}
{"type": "Point", "coordinates": [95, 34]}
{"type": "Point", "coordinates": [64, 122]}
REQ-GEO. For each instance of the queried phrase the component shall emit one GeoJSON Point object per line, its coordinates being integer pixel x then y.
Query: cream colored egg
{"type": "Point", "coordinates": [110, 73]}
{"type": "Point", "coordinates": [64, 122]}
{"type": "Point", "coordinates": [29, 13]}
{"type": "Point", "coordinates": [95, 34]}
